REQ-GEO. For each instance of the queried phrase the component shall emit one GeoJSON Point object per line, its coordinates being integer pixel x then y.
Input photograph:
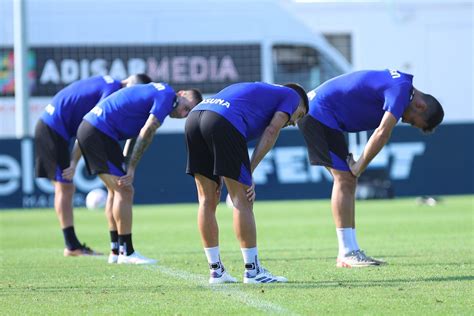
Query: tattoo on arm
{"type": "Point", "coordinates": [144, 140]}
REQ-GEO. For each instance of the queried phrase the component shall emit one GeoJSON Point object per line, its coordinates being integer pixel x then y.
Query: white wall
{"type": "Point", "coordinates": [430, 39]}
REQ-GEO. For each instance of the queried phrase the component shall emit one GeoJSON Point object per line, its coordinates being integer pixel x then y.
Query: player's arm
{"type": "Point", "coordinates": [69, 172]}
{"type": "Point", "coordinates": [144, 139]}
{"type": "Point", "coordinates": [128, 149]}
{"type": "Point", "coordinates": [266, 142]}
{"type": "Point", "coordinates": [376, 142]}
{"type": "Point", "coordinates": [268, 138]}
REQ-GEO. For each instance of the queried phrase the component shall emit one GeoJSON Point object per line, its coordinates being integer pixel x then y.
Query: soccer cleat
{"type": "Point", "coordinates": [263, 276]}
{"type": "Point", "coordinates": [135, 258]}
{"type": "Point", "coordinates": [82, 251]}
{"type": "Point", "coordinates": [376, 261]}
{"type": "Point", "coordinates": [112, 258]}
{"type": "Point", "coordinates": [354, 260]}
{"type": "Point", "coordinates": [221, 277]}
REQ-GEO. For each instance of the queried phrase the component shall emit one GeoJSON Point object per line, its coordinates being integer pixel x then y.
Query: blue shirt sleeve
{"type": "Point", "coordinates": [162, 106]}
{"type": "Point", "coordinates": [397, 99]}
{"type": "Point", "coordinates": [289, 104]}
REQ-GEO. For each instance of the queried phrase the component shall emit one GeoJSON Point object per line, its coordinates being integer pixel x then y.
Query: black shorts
{"type": "Point", "coordinates": [102, 153]}
{"type": "Point", "coordinates": [216, 148]}
{"type": "Point", "coordinates": [52, 154]}
{"type": "Point", "coordinates": [326, 146]}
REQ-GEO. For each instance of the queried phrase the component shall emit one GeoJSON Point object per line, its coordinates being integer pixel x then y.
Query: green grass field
{"type": "Point", "coordinates": [429, 250]}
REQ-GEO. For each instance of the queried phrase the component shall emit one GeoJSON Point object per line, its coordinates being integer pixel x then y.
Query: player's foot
{"type": "Point", "coordinates": [354, 260]}
{"type": "Point", "coordinates": [113, 258]}
{"type": "Point", "coordinates": [374, 260]}
{"type": "Point", "coordinates": [263, 277]}
{"type": "Point", "coordinates": [82, 251]}
{"type": "Point", "coordinates": [220, 278]}
{"type": "Point", "coordinates": [135, 258]}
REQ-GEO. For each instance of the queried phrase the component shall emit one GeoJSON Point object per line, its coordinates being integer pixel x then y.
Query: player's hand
{"type": "Point", "coordinates": [353, 165]}
{"type": "Point", "coordinates": [69, 172]}
{"type": "Point", "coordinates": [251, 193]}
{"type": "Point", "coordinates": [126, 179]}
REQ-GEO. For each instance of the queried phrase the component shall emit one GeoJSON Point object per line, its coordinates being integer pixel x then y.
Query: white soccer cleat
{"type": "Point", "coordinates": [135, 258]}
{"type": "Point", "coordinates": [354, 259]}
{"type": "Point", "coordinates": [221, 278]}
{"type": "Point", "coordinates": [376, 261]}
{"type": "Point", "coordinates": [113, 258]}
{"type": "Point", "coordinates": [263, 276]}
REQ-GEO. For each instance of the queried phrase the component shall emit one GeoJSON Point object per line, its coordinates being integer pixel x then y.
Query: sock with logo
{"type": "Point", "coordinates": [354, 240]}
{"type": "Point", "coordinates": [214, 260]}
{"type": "Point", "coordinates": [114, 243]}
{"type": "Point", "coordinates": [70, 238]}
{"type": "Point", "coordinates": [125, 244]}
{"type": "Point", "coordinates": [252, 265]}
{"type": "Point", "coordinates": [345, 240]}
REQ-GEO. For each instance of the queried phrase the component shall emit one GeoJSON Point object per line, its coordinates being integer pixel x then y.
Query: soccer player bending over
{"type": "Point", "coordinates": [55, 131]}
{"type": "Point", "coordinates": [217, 132]}
{"type": "Point", "coordinates": [135, 112]}
{"type": "Point", "coordinates": [354, 102]}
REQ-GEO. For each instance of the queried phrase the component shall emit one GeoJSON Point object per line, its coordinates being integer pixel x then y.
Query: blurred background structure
{"type": "Point", "coordinates": [211, 44]}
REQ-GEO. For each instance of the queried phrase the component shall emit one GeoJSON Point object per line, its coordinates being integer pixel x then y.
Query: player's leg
{"type": "Point", "coordinates": [103, 156]}
{"type": "Point", "coordinates": [51, 157]}
{"type": "Point", "coordinates": [342, 205]}
{"type": "Point", "coordinates": [113, 230]}
{"type": "Point", "coordinates": [328, 147]}
{"type": "Point", "coordinates": [200, 161]}
{"type": "Point", "coordinates": [246, 232]}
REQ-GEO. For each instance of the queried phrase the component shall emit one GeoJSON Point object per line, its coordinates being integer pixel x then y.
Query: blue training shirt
{"type": "Point", "coordinates": [123, 114]}
{"type": "Point", "coordinates": [68, 107]}
{"type": "Point", "coordinates": [357, 101]}
{"type": "Point", "coordinates": [250, 106]}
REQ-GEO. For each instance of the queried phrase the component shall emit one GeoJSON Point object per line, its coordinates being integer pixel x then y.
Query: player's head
{"type": "Point", "coordinates": [424, 112]}
{"type": "Point", "coordinates": [136, 79]}
{"type": "Point", "coordinates": [185, 101]}
{"type": "Point", "coordinates": [303, 106]}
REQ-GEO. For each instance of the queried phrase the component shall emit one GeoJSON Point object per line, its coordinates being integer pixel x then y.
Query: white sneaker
{"type": "Point", "coordinates": [376, 261]}
{"type": "Point", "coordinates": [220, 278]}
{"type": "Point", "coordinates": [112, 258]}
{"type": "Point", "coordinates": [354, 260]}
{"type": "Point", "coordinates": [135, 258]}
{"type": "Point", "coordinates": [263, 276]}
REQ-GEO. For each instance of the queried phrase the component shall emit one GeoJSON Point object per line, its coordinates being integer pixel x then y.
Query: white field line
{"type": "Point", "coordinates": [225, 289]}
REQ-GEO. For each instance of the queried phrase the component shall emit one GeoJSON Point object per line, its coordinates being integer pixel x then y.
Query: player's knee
{"type": "Point", "coordinates": [125, 191]}
{"type": "Point", "coordinates": [346, 181]}
{"type": "Point", "coordinates": [208, 202]}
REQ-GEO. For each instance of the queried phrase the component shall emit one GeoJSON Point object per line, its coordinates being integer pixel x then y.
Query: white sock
{"type": "Point", "coordinates": [354, 240]}
{"type": "Point", "coordinates": [344, 238]}
{"type": "Point", "coordinates": [213, 258]}
{"type": "Point", "coordinates": [250, 259]}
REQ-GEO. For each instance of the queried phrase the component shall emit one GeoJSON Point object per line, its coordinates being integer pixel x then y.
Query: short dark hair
{"type": "Point", "coordinates": [434, 113]}
{"type": "Point", "coordinates": [196, 95]}
{"type": "Point", "coordinates": [141, 79]}
{"type": "Point", "coordinates": [299, 89]}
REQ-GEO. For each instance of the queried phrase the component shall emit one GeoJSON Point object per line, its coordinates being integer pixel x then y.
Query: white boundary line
{"type": "Point", "coordinates": [236, 293]}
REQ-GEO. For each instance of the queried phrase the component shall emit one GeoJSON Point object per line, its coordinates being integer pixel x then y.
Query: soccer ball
{"type": "Point", "coordinates": [96, 199]}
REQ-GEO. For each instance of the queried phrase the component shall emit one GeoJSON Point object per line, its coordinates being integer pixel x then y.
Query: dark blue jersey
{"type": "Point", "coordinates": [357, 101]}
{"type": "Point", "coordinates": [250, 106]}
{"type": "Point", "coordinates": [123, 114]}
{"type": "Point", "coordinates": [68, 107]}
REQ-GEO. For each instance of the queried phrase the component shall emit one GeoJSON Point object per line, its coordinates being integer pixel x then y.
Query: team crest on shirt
{"type": "Point", "coordinates": [49, 109]}
{"type": "Point", "coordinates": [97, 111]}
